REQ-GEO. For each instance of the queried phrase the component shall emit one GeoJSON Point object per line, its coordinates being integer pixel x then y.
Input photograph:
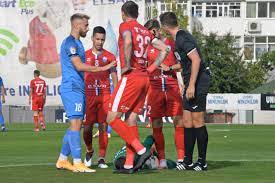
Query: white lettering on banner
{"type": "Point", "coordinates": [270, 99]}
{"type": "Point", "coordinates": [233, 102]}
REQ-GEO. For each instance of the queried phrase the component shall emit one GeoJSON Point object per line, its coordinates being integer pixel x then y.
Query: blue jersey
{"type": "Point", "coordinates": [72, 80]}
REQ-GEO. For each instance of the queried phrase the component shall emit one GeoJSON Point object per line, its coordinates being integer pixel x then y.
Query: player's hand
{"type": "Point", "coordinates": [190, 92]}
{"type": "Point", "coordinates": [110, 65]}
{"type": "Point", "coordinates": [181, 89]}
{"type": "Point", "coordinates": [164, 67]}
{"type": "Point", "coordinates": [125, 70]}
{"type": "Point", "coordinates": [3, 100]}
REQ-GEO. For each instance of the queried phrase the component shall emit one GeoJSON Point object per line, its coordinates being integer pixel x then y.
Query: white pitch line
{"type": "Point", "coordinates": [222, 130]}
{"type": "Point", "coordinates": [25, 165]}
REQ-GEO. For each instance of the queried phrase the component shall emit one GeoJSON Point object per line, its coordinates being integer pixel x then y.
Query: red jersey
{"type": "Point", "coordinates": [38, 87]}
{"type": "Point", "coordinates": [141, 38]}
{"type": "Point", "coordinates": [98, 83]}
{"type": "Point", "coordinates": [159, 79]}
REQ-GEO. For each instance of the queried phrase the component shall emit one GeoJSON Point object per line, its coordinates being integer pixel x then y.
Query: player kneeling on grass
{"type": "Point", "coordinates": [37, 99]}
{"type": "Point", "coordinates": [152, 163]}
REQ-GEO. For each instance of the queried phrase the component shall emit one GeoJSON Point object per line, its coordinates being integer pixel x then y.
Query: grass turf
{"type": "Point", "coordinates": [236, 153]}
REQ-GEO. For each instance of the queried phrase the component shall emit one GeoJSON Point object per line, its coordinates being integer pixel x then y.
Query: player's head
{"type": "Point", "coordinates": [80, 24]}
{"type": "Point", "coordinates": [129, 10]}
{"type": "Point", "coordinates": [154, 27]}
{"type": "Point", "coordinates": [98, 38]}
{"type": "Point", "coordinates": [36, 73]}
{"type": "Point", "coordinates": [168, 21]}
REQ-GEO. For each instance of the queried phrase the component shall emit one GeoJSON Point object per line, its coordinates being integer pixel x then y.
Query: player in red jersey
{"type": "Point", "coordinates": [169, 101]}
{"type": "Point", "coordinates": [98, 91]}
{"type": "Point", "coordinates": [37, 99]}
{"type": "Point", "coordinates": [129, 95]}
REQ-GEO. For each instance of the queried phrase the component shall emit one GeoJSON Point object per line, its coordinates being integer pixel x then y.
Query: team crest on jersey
{"type": "Point", "coordinates": [73, 50]}
{"type": "Point", "coordinates": [104, 59]}
{"type": "Point", "coordinates": [152, 51]}
{"type": "Point", "coordinates": [177, 55]}
{"type": "Point", "coordinates": [88, 59]}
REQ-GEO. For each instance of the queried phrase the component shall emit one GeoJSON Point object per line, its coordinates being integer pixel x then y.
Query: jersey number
{"type": "Point", "coordinates": [141, 42]}
{"type": "Point", "coordinates": [78, 107]}
{"type": "Point", "coordinates": [39, 88]}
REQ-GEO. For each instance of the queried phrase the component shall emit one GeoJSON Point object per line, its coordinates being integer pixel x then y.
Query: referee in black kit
{"type": "Point", "coordinates": [197, 83]}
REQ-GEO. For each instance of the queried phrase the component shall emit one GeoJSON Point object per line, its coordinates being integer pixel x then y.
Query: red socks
{"type": "Point", "coordinates": [103, 143]}
{"type": "Point", "coordinates": [179, 142]}
{"type": "Point", "coordinates": [123, 130]}
{"type": "Point", "coordinates": [130, 151]}
{"type": "Point", "coordinates": [159, 142]}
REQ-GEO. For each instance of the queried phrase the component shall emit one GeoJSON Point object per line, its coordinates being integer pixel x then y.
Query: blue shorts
{"type": "Point", "coordinates": [74, 104]}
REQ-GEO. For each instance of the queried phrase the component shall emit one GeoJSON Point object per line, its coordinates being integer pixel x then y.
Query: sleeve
{"type": "Point", "coordinates": [123, 28]}
{"type": "Point", "coordinates": [71, 49]}
{"type": "Point", "coordinates": [112, 58]}
{"type": "Point", "coordinates": [186, 43]}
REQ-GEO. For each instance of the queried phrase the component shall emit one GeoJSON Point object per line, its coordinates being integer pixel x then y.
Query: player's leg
{"type": "Point", "coordinates": [35, 121]}
{"type": "Point", "coordinates": [41, 120]}
{"type": "Point", "coordinates": [179, 137]}
{"type": "Point", "coordinates": [109, 131]}
{"type": "Point", "coordinates": [74, 104]}
{"type": "Point", "coordinates": [2, 121]}
{"type": "Point", "coordinates": [103, 144]}
{"type": "Point", "coordinates": [200, 132]}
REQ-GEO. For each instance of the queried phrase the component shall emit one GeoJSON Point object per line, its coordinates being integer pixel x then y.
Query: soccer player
{"type": "Point", "coordinates": [129, 95]}
{"type": "Point", "coordinates": [98, 91]}
{"type": "Point", "coordinates": [169, 101]}
{"type": "Point", "coordinates": [2, 96]}
{"type": "Point", "coordinates": [37, 99]}
{"type": "Point", "coordinates": [197, 83]}
{"type": "Point", "coordinates": [72, 56]}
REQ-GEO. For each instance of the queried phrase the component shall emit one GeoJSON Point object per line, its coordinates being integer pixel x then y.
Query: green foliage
{"type": "Point", "coordinates": [230, 74]}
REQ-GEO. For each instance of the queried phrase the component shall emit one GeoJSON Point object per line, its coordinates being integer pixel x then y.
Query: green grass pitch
{"type": "Point", "coordinates": [236, 153]}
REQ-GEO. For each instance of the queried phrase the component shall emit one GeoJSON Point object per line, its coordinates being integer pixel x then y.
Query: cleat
{"type": "Point", "coordinates": [183, 166]}
{"type": "Point", "coordinates": [4, 129]}
{"type": "Point", "coordinates": [109, 135]}
{"type": "Point", "coordinates": [80, 167]}
{"type": "Point", "coordinates": [142, 159]}
{"type": "Point", "coordinates": [102, 164]}
{"type": "Point", "coordinates": [64, 165]}
{"type": "Point", "coordinates": [36, 130]}
{"type": "Point", "coordinates": [88, 159]}
{"type": "Point", "coordinates": [199, 166]}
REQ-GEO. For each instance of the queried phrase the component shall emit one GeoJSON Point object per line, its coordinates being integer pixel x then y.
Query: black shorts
{"type": "Point", "coordinates": [198, 104]}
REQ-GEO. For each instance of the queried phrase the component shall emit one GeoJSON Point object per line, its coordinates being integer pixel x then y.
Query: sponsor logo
{"type": "Point", "coordinates": [104, 59]}
{"type": "Point", "coordinates": [177, 55]}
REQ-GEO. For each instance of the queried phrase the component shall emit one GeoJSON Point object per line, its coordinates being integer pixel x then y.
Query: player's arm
{"type": "Point", "coordinates": [177, 67]}
{"type": "Point", "coordinates": [88, 68]}
{"type": "Point", "coordinates": [114, 78]}
{"type": "Point", "coordinates": [163, 52]}
{"type": "Point", "coordinates": [30, 95]}
{"type": "Point", "coordinates": [45, 93]}
{"type": "Point", "coordinates": [127, 44]}
{"type": "Point", "coordinates": [3, 94]}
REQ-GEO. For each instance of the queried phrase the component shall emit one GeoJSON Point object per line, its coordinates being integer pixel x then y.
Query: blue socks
{"type": "Point", "coordinates": [65, 149]}
{"type": "Point", "coordinates": [109, 129]}
{"type": "Point", "coordinates": [2, 121]}
{"type": "Point", "coordinates": [75, 144]}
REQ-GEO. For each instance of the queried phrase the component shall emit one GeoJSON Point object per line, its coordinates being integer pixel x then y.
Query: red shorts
{"type": "Point", "coordinates": [96, 109]}
{"type": "Point", "coordinates": [130, 94]}
{"type": "Point", "coordinates": [37, 103]}
{"type": "Point", "coordinates": [164, 103]}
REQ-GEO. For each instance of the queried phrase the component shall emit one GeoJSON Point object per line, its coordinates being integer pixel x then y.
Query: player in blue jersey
{"type": "Point", "coordinates": [72, 56]}
{"type": "Point", "coordinates": [2, 95]}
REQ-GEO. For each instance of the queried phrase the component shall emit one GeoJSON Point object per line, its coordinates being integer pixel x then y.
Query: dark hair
{"type": "Point", "coordinates": [36, 72]}
{"type": "Point", "coordinates": [79, 16]}
{"type": "Point", "coordinates": [119, 163]}
{"type": "Point", "coordinates": [130, 8]}
{"type": "Point", "coordinates": [99, 29]}
{"type": "Point", "coordinates": [168, 19]}
{"type": "Point", "coordinates": [152, 24]}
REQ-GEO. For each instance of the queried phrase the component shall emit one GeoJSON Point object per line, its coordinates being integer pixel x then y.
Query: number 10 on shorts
{"type": "Point", "coordinates": [78, 107]}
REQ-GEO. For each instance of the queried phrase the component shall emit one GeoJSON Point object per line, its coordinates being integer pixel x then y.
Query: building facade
{"type": "Point", "coordinates": [252, 22]}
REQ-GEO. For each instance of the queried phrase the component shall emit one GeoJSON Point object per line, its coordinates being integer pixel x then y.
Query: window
{"type": "Point", "coordinates": [262, 9]}
{"type": "Point", "coordinates": [197, 9]}
{"type": "Point", "coordinates": [260, 50]}
{"type": "Point", "coordinates": [235, 10]}
{"type": "Point", "coordinates": [211, 9]}
{"type": "Point", "coordinates": [272, 10]}
{"type": "Point", "coordinates": [251, 10]}
{"type": "Point", "coordinates": [248, 52]}
{"type": "Point", "coordinates": [166, 6]}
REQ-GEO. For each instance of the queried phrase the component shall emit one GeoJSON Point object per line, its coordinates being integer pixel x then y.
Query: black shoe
{"type": "Point", "coordinates": [142, 159]}
{"type": "Point", "coordinates": [200, 166]}
{"type": "Point", "coordinates": [88, 159]}
{"type": "Point", "coordinates": [183, 166]}
{"type": "Point", "coordinates": [125, 171]}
